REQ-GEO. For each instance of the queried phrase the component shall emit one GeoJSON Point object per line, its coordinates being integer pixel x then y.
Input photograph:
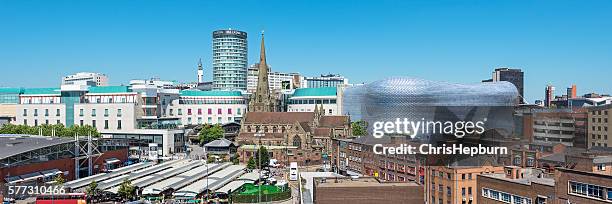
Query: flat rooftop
{"type": "Point", "coordinates": [358, 182]}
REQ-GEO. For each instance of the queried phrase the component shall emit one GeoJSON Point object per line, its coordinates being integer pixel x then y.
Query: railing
{"type": "Point", "coordinates": [237, 198]}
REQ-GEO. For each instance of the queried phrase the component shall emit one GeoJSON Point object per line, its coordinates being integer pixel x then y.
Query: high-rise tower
{"type": "Point", "coordinates": [549, 95]}
{"type": "Point", "coordinates": [229, 60]}
{"type": "Point", "coordinates": [262, 101]}
{"type": "Point", "coordinates": [200, 72]}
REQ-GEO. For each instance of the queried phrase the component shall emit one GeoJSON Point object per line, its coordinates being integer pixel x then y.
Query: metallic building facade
{"type": "Point", "coordinates": [424, 100]}
{"type": "Point", "coordinates": [229, 60]}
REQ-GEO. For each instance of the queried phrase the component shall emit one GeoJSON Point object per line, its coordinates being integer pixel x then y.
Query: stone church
{"type": "Point", "coordinates": [303, 137]}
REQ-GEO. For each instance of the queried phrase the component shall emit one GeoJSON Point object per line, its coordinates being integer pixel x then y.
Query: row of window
{"type": "Point", "coordinates": [505, 197]}
{"type": "Point", "coordinates": [57, 112]}
{"type": "Point", "coordinates": [230, 111]}
{"type": "Point", "coordinates": [605, 112]}
{"type": "Point", "coordinates": [599, 128]}
{"type": "Point", "coordinates": [449, 176]}
{"type": "Point", "coordinates": [25, 122]}
{"type": "Point", "coordinates": [590, 190]}
{"type": "Point", "coordinates": [605, 120]}
{"type": "Point", "coordinates": [209, 121]}
{"type": "Point", "coordinates": [106, 124]}
{"type": "Point", "coordinates": [312, 101]}
{"type": "Point", "coordinates": [106, 112]}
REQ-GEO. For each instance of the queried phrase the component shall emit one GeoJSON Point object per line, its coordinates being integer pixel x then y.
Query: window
{"type": "Point", "coordinates": [219, 111]}
{"type": "Point", "coordinates": [601, 167]}
{"type": "Point", "coordinates": [81, 112]}
{"type": "Point", "coordinates": [297, 141]}
{"type": "Point", "coordinates": [505, 197]}
{"type": "Point", "coordinates": [171, 112]}
{"type": "Point", "coordinates": [93, 123]}
{"type": "Point", "coordinates": [199, 111]}
{"type": "Point", "coordinates": [210, 111]}
{"type": "Point", "coordinates": [180, 111]}
{"type": "Point", "coordinates": [219, 120]}
{"type": "Point", "coordinates": [35, 122]}
{"type": "Point", "coordinates": [106, 112]}
{"type": "Point", "coordinates": [105, 124]}
{"type": "Point", "coordinates": [588, 190]}
{"type": "Point", "coordinates": [238, 111]}
{"type": "Point", "coordinates": [189, 111]}
{"type": "Point", "coordinates": [229, 111]}
{"type": "Point", "coordinates": [209, 120]}
{"type": "Point", "coordinates": [25, 112]}
{"type": "Point", "coordinates": [46, 112]}
{"type": "Point", "coordinates": [57, 112]}
{"type": "Point", "coordinates": [470, 178]}
{"type": "Point", "coordinates": [463, 191]}
{"type": "Point", "coordinates": [25, 121]}
{"type": "Point", "coordinates": [93, 112]}
{"type": "Point", "coordinates": [118, 124]}
{"type": "Point", "coordinates": [119, 112]}
{"type": "Point", "coordinates": [462, 176]}
{"type": "Point", "coordinates": [81, 122]}
{"type": "Point", "coordinates": [35, 112]}
{"type": "Point", "coordinates": [469, 190]}
{"type": "Point", "coordinates": [57, 122]}
{"type": "Point", "coordinates": [189, 121]}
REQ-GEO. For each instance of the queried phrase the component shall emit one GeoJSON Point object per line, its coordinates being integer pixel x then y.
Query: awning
{"type": "Point", "coordinates": [50, 173]}
{"type": "Point", "coordinates": [12, 179]}
{"type": "Point", "coordinates": [31, 176]}
{"type": "Point", "coordinates": [112, 160]}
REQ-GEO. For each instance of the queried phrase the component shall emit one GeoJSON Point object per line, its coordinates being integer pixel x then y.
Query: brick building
{"type": "Point", "coordinates": [515, 185]}
{"type": "Point", "coordinates": [365, 190]}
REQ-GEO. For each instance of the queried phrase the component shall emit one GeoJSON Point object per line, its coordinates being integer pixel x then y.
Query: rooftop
{"type": "Point", "coordinates": [109, 89]}
{"type": "Point", "coordinates": [530, 176]}
{"type": "Point", "coordinates": [12, 144]}
{"type": "Point", "coordinates": [358, 182]}
{"type": "Point", "coordinates": [41, 91]}
{"type": "Point", "coordinates": [9, 90]}
{"type": "Point", "coordinates": [322, 91]}
{"type": "Point", "coordinates": [209, 93]}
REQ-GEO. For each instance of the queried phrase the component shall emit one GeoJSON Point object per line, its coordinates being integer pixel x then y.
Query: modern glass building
{"type": "Point", "coordinates": [424, 100]}
{"type": "Point", "coordinates": [229, 60]}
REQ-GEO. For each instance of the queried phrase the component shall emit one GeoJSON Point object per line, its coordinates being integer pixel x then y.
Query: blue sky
{"type": "Point", "coordinates": [558, 42]}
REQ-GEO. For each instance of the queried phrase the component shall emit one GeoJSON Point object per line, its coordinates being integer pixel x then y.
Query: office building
{"type": "Point", "coordinates": [571, 91]}
{"type": "Point", "coordinates": [600, 126]}
{"type": "Point", "coordinates": [277, 81]}
{"type": "Point", "coordinates": [325, 80]}
{"type": "Point", "coordinates": [575, 186]}
{"type": "Point", "coordinates": [307, 99]}
{"type": "Point", "coordinates": [86, 78]}
{"type": "Point", "coordinates": [514, 76]}
{"type": "Point", "coordinates": [355, 156]}
{"type": "Point", "coordinates": [229, 60]}
{"type": "Point", "coordinates": [9, 98]}
{"type": "Point", "coordinates": [455, 184]}
{"type": "Point", "coordinates": [549, 95]}
{"type": "Point", "coordinates": [565, 126]}
{"type": "Point", "coordinates": [515, 185]}
{"type": "Point", "coordinates": [196, 107]}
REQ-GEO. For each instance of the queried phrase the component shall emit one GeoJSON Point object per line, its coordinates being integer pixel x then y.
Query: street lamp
{"type": "Point", "coordinates": [259, 134]}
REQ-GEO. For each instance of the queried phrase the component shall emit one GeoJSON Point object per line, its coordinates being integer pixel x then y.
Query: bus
{"type": "Point", "coordinates": [293, 171]}
{"type": "Point", "coordinates": [69, 198]}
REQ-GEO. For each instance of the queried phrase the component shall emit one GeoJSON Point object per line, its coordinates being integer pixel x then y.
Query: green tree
{"type": "Point", "coordinates": [210, 133]}
{"type": "Point", "coordinates": [234, 159]}
{"type": "Point", "coordinates": [265, 157]}
{"type": "Point", "coordinates": [126, 190]}
{"type": "Point", "coordinates": [92, 189]}
{"type": "Point", "coordinates": [251, 164]}
{"type": "Point", "coordinates": [59, 180]}
{"type": "Point", "coordinates": [359, 128]}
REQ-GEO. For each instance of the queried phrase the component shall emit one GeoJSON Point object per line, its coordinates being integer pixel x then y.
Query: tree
{"type": "Point", "coordinates": [47, 130]}
{"type": "Point", "coordinates": [359, 128]}
{"type": "Point", "coordinates": [265, 157]}
{"type": "Point", "coordinates": [59, 180]}
{"type": "Point", "coordinates": [251, 164]}
{"type": "Point", "coordinates": [234, 159]}
{"type": "Point", "coordinates": [92, 189]}
{"type": "Point", "coordinates": [210, 133]}
{"type": "Point", "coordinates": [126, 190]}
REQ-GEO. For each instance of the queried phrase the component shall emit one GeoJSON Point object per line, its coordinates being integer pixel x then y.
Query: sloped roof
{"type": "Point", "coordinates": [322, 132]}
{"type": "Point", "coordinates": [333, 121]}
{"type": "Point", "coordinates": [219, 143]}
{"type": "Point", "coordinates": [279, 117]}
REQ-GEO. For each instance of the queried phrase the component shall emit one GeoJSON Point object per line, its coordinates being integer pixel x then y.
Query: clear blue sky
{"type": "Point", "coordinates": [558, 42]}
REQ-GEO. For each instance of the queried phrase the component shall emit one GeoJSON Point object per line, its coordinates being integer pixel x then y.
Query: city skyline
{"type": "Point", "coordinates": [562, 44]}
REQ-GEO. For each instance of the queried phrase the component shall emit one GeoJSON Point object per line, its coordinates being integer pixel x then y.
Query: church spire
{"type": "Point", "coordinates": [262, 54]}
{"type": "Point", "coordinates": [262, 100]}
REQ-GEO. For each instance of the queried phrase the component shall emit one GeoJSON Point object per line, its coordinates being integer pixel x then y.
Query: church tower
{"type": "Point", "coordinates": [262, 101]}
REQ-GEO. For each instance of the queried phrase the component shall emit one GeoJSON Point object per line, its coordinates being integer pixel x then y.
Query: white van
{"type": "Point", "coordinates": [293, 171]}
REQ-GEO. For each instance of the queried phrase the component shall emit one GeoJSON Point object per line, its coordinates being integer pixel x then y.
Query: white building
{"type": "Point", "coordinates": [86, 78]}
{"type": "Point", "coordinates": [305, 99]}
{"type": "Point", "coordinates": [277, 81]}
{"type": "Point", "coordinates": [329, 80]}
{"type": "Point", "coordinates": [208, 107]}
